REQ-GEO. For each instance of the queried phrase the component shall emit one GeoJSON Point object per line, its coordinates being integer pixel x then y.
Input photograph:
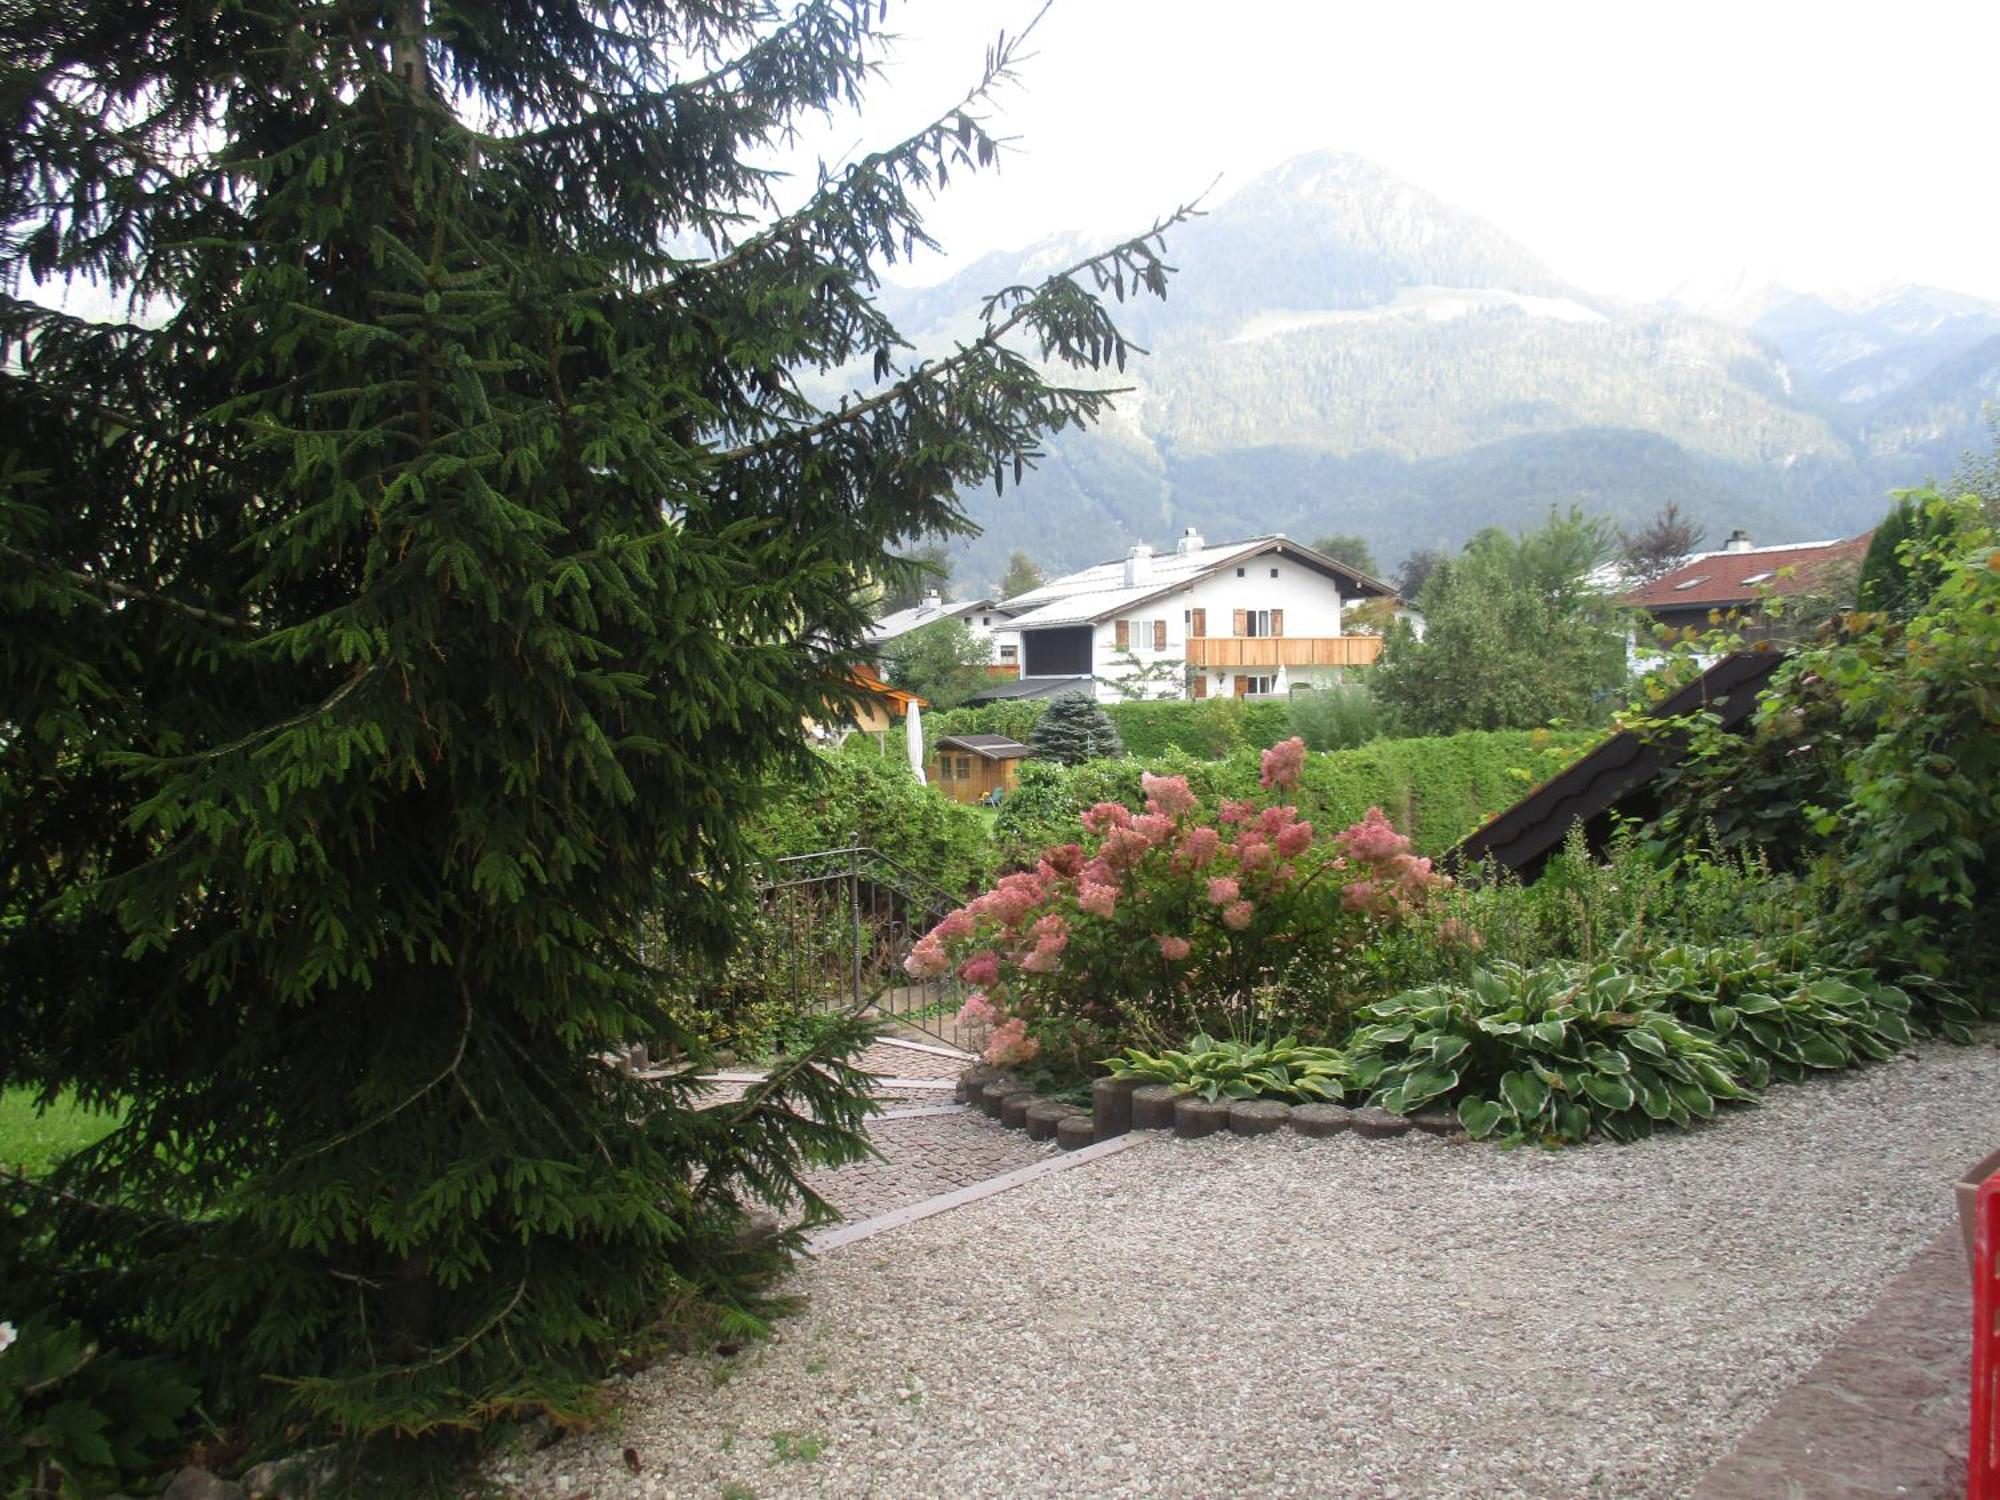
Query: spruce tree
{"type": "Point", "coordinates": [1073, 729]}
{"type": "Point", "coordinates": [397, 613]}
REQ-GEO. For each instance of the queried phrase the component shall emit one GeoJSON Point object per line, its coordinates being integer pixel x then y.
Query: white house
{"type": "Point", "coordinates": [987, 619]}
{"type": "Point", "coordinates": [1243, 619]}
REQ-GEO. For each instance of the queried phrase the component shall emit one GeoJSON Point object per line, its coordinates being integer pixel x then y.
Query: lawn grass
{"type": "Point", "coordinates": [34, 1141]}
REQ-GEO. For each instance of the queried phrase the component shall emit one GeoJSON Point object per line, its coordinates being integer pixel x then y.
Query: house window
{"type": "Point", "coordinates": [1008, 653]}
{"type": "Point", "coordinates": [1263, 685]}
{"type": "Point", "coordinates": [1239, 572]}
{"type": "Point", "coordinates": [1274, 572]}
{"type": "Point", "coordinates": [1256, 622]}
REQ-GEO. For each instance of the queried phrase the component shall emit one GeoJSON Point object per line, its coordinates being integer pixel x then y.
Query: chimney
{"type": "Point", "coordinates": [1190, 542]}
{"type": "Point", "coordinates": [931, 603]}
{"type": "Point", "coordinates": [1739, 541]}
{"type": "Point", "coordinates": [1138, 566]}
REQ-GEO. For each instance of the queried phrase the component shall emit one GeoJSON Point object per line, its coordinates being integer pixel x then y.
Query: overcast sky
{"type": "Point", "coordinates": [1631, 146]}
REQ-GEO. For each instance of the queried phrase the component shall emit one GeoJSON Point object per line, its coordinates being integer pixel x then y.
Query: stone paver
{"type": "Point", "coordinates": [1884, 1413]}
{"type": "Point", "coordinates": [923, 1157]}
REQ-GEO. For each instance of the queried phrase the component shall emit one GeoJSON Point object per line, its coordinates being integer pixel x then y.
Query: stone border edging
{"type": "Point", "coordinates": [821, 1241]}
{"type": "Point", "coordinates": [1122, 1106]}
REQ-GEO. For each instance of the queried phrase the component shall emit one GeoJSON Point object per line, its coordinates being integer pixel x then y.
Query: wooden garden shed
{"type": "Point", "coordinates": [976, 767]}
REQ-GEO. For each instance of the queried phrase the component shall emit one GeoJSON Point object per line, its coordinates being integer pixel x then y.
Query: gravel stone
{"type": "Point", "coordinates": [1195, 1118]}
{"type": "Point", "coordinates": [1604, 1321]}
{"type": "Point", "coordinates": [1258, 1116]}
{"type": "Point", "coordinates": [1153, 1106]}
{"type": "Point", "coordinates": [1321, 1120]}
{"type": "Point", "coordinates": [1379, 1124]}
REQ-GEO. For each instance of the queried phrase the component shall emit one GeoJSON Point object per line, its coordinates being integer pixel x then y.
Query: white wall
{"type": "Point", "coordinates": [1310, 600]}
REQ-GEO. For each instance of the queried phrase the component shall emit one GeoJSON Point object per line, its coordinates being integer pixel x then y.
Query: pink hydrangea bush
{"type": "Point", "coordinates": [1171, 920]}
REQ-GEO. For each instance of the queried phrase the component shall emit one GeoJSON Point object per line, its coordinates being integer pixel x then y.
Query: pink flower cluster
{"type": "Point", "coordinates": [1393, 880]}
{"type": "Point", "coordinates": [1080, 928]}
{"type": "Point", "coordinates": [1282, 764]}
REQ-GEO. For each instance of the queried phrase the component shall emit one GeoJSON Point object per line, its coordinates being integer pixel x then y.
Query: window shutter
{"type": "Point", "coordinates": [1240, 624]}
{"type": "Point", "coordinates": [1198, 622]}
{"type": "Point", "coordinates": [1199, 687]}
{"type": "Point", "coordinates": [1277, 622]}
{"type": "Point", "coordinates": [1242, 687]}
{"type": "Point", "coordinates": [1121, 634]}
{"type": "Point", "coordinates": [1159, 635]}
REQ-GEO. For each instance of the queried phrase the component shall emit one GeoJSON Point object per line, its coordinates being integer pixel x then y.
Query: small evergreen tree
{"type": "Point", "coordinates": [1022, 575]}
{"type": "Point", "coordinates": [1075, 728]}
{"type": "Point", "coordinates": [401, 618]}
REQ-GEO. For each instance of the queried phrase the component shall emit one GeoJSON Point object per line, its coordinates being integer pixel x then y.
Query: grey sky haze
{"type": "Point", "coordinates": [1827, 146]}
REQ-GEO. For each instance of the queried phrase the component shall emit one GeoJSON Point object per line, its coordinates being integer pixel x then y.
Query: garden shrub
{"type": "Point", "coordinates": [873, 801]}
{"type": "Point", "coordinates": [1875, 755]}
{"type": "Point", "coordinates": [1174, 922]}
{"type": "Point", "coordinates": [1233, 1069]}
{"type": "Point", "coordinates": [1546, 1055]}
{"type": "Point", "coordinates": [1777, 1021]}
{"type": "Point", "coordinates": [1339, 717]}
{"type": "Point", "coordinates": [1205, 728]}
{"type": "Point", "coordinates": [1013, 717]}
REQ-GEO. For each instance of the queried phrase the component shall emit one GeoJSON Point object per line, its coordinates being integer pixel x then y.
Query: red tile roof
{"type": "Point", "coordinates": [1719, 578]}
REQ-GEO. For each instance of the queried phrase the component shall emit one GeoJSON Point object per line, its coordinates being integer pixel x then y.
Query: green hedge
{"type": "Point", "coordinates": [1435, 790]}
{"type": "Point", "coordinates": [873, 800]}
{"type": "Point", "coordinates": [1206, 729]}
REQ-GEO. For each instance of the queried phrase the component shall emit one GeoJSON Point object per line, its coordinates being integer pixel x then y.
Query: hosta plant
{"type": "Point", "coordinates": [1550, 1055]}
{"type": "Point", "coordinates": [1775, 1020]}
{"type": "Point", "coordinates": [1231, 1069]}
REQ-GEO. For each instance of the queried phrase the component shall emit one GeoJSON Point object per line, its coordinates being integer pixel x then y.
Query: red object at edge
{"type": "Point", "coordinates": [1983, 1464]}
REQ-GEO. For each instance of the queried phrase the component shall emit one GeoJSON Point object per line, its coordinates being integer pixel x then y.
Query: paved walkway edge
{"type": "Point", "coordinates": [847, 1234]}
{"type": "Point", "coordinates": [1883, 1414]}
{"type": "Point", "coordinates": [936, 1049]}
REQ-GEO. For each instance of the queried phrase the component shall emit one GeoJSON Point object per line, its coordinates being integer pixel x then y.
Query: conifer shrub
{"type": "Point", "coordinates": [400, 621]}
{"type": "Point", "coordinates": [1074, 728]}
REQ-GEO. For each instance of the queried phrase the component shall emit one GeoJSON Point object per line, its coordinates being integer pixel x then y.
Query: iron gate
{"type": "Point", "coordinates": [847, 918]}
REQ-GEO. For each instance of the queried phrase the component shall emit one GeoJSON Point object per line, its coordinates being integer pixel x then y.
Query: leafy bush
{"type": "Point", "coordinates": [1232, 1069]}
{"type": "Point", "coordinates": [1549, 1055]}
{"type": "Point", "coordinates": [1336, 718]}
{"type": "Point", "coordinates": [1776, 1021]}
{"type": "Point", "coordinates": [1205, 728]}
{"type": "Point", "coordinates": [870, 800]}
{"type": "Point", "coordinates": [1875, 755]}
{"type": "Point", "coordinates": [1169, 923]}
{"type": "Point", "coordinates": [76, 1419]}
{"type": "Point", "coordinates": [1014, 717]}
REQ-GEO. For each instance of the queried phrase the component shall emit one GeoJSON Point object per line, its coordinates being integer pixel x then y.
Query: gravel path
{"type": "Point", "coordinates": [1344, 1318]}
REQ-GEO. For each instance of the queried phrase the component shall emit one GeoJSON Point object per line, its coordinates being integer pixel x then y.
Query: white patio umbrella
{"type": "Point", "coordinates": [913, 730]}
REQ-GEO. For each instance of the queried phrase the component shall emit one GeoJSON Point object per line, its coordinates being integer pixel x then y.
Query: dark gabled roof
{"type": "Point", "coordinates": [992, 746]}
{"type": "Point", "coordinates": [1032, 687]}
{"type": "Point", "coordinates": [1615, 777]}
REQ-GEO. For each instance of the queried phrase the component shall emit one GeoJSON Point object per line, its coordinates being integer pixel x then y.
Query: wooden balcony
{"type": "Point", "coordinates": [1283, 650]}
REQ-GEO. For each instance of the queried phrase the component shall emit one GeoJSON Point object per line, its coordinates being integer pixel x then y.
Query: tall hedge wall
{"type": "Point", "coordinates": [1437, 789]}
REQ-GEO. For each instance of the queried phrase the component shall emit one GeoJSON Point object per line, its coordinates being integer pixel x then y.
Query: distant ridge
{"type": "Point", "coordinates": [1344, 351]}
